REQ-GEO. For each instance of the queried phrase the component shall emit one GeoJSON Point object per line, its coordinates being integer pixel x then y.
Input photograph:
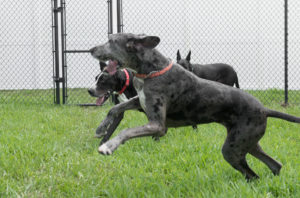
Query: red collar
{"type": "Point", "coordinates": [126, 83]}
{"type": "Point", "coordinates": [155, 74]}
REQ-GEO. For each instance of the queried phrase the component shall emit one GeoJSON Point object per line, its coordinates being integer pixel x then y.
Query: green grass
{"type": "Point", "coordinates": [49, 151]}
{"type": "Point", "coordinates": [44, 96]}
{"type": "Point", "coordinates": [27, 96]}
{"type": "Point", "coordinates": [80, 95]}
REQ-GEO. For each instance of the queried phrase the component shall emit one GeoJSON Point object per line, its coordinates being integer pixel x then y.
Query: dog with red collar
{"type": "Point", "coordinates": [116, 82]}
{"type": "Point", "coordinates": [113, 80]}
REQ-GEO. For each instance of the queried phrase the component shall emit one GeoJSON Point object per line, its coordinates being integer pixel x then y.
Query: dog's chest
{"type": "Point", "coordinates": [139, 87]}
{"type": "Point", "coordinates": [122, 98]}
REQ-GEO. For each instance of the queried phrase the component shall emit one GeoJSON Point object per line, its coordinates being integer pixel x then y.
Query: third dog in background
{"type": "Point", "coordinates": [218, 72]}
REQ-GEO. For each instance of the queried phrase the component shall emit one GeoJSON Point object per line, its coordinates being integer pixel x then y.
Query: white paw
{"type": "Point", "coordinates": [103, 149]}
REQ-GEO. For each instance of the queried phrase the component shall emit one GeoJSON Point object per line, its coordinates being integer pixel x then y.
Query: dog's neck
{"type": "Point", "coordinates": [150, 61]}
{"type": "Point", "coordinates": [120, 80]}
{"type": "Point", "coordinates": [191, 67]}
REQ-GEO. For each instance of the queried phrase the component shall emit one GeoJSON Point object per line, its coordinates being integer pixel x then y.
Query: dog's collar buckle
{"type": "Point", "coordinates": [155, 74]}
{"type": "Point", "coordinates": [126, 83]}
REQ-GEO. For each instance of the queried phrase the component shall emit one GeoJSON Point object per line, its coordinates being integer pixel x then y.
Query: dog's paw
{"type": "Point", "coordinates": [156, 138]}
{"type": "Point", "coordinates": [100, 133]}
{"type": "Point", "coordinates": [102, 129]}
{"type": "Point", "coordinates": [104, 150]}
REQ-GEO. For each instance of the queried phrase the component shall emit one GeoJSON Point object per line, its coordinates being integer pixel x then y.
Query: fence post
{"type": "Point", "coordinates": [110, 17]}
{"type": "Point", "coordinates": [63, 49]}
{"type": "Point", "coordinates": [56, 53]}
{"type": "Point", "coordinates": [119, 16]}
{"type": "Point", "coordinates": [285, 52]}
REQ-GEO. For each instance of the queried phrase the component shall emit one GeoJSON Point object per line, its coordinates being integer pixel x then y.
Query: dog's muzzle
{"type": "Point", "coordinates": [100, 99]}
{"type": "Point", "coordinates": [93, 50]}
{"type": "Point", "coordinates": [92, 92]}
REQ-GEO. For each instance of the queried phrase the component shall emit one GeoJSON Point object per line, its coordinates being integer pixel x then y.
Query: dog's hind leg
{"type": "Point", "coordinates": [274, 165]}
{"type": "Point", "coordinates": [234, 152]}
{"type": "Point", "coordinates": [237, 160]}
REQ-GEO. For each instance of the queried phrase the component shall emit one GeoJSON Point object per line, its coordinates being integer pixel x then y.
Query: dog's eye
{"type": "Point", "coordinates": [102, 65]}
{"type": "Point", "coordinates": [105, 73]}
{"type": "Point", "coordinates": [98, 77]}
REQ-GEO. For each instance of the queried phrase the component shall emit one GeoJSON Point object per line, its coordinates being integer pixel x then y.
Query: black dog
{"type": "Point", "coordinates": [218, 72]}
{"type": "Point", "coordinates": [116, 82]}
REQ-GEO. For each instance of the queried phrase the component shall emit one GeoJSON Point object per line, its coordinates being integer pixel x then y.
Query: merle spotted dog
{"type": "Point", "coordinates": [172, 97]}
{"type": "Point", "coordinates": [218, 72]}
{"type": "Point", "coordinates": [113, 81]}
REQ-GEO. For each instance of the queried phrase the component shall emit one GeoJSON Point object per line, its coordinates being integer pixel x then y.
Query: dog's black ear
{"type": "Point", "coordinates": [137, 44]}
{"type": "Point", "coordinates": [188, 57]}
{"type": "Point", "coordinates": [102, 65]}
{"type": "Point", "coordinates": [150, 41]}
{"type": "Point", "coordinates": [178, 56]}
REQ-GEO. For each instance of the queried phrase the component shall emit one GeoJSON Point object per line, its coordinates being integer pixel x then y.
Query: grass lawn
{"type": "Point", "coordinates": [80, 95]}
{"type": "Point", "coordinates": [49, 151]}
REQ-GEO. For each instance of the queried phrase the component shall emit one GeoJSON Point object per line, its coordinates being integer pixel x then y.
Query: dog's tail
{"type": "Point", "coordinates": [236, 81]}
{"type": "Point", "coordinates": [284, 116]}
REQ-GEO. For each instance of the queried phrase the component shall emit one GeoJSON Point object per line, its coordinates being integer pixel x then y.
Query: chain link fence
{"type": "Point", "coordinates": [27, 42]}
{"type": "Point", "coordinates": [86, 26]}
{"type": "Point", "coordinates": [294, 50]}
{"type": "Point", "coordinates": [26, 52]}
{"type": "Point", "coordinates": [248, 35]}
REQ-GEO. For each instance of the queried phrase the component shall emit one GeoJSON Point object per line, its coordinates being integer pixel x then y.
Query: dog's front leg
{"type": "Point", "coordinates": [156, 113]}
{"type": "Point", "coordinates": [114, 117]}
{"type": "Point", "coordinates": [150, 129]}
{"type": "Point", "coordinates": [112, 128]}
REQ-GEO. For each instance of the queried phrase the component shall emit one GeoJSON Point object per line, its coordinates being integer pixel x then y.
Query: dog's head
{"type": "Point", "coordinates": [185, 63]}
{"type": "Point", "coordinates": [105, 82]}
{"type": "Point", "coordinates": [126, 49]}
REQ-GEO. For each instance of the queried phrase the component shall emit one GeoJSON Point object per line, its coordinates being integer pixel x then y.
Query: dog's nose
{"type": "Point", "coordinates": [91, 92]}
{"type": "Point", "coordinates": [93, 50]}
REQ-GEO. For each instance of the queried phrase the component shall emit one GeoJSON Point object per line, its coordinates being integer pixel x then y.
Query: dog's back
{"type": "Point", "coordinates": [218, 72]}
{"type": "Point", "coordinates": [199, 100]}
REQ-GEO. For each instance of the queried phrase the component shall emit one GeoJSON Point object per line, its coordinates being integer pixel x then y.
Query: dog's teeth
{"type": "Point", "coordinates": [103, 149]}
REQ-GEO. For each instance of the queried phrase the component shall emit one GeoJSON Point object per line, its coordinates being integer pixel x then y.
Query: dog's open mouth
{"type": "Point", "coordinates": [111, 67]}
{"type": "Point", "coordinates": [100, 100]}
{"type": "Point", "coordinates": [111, 60]}
{"type": "Point", "coordinates": [112, 63]}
